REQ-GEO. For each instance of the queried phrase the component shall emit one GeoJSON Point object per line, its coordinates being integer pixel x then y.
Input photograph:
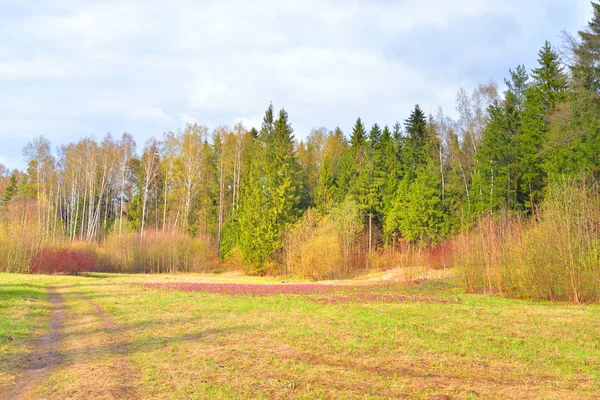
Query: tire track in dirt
{"type": "Point", "coordinates": [45, 357]}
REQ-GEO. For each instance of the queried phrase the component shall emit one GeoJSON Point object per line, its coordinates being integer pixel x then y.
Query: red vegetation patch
{"type": "Point", "coordinates": [321, 293]}
{"type": "Point", "coordinates": [441, 257]}
{"type": "Point", "coordinates": [63, 261]}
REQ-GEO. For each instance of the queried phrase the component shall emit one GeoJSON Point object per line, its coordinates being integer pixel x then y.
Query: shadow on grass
{"type": "Point", "coordinates": [120, 346]}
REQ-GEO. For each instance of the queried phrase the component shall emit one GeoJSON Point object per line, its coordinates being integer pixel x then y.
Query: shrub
{"type": "Point", "coordinates": [22, 234]}
{"type": "Point", "coordinates": [314, 249]}
{"type": "Point", "coordinates": [553, 256]}
{"type": "Point", "coordinates": [64, 261]}
{"type": "Point", "coordinates": [170, 251]}
{"type": "Point", "coordinates": [483, 254]}
{"type": "Point", "coordinates": [559, 254]}
{"type": "Point", "coordinates": [441, 256]}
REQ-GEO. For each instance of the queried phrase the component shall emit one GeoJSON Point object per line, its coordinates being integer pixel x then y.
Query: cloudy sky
{"type": "Point", "coordinates": [75, 68]}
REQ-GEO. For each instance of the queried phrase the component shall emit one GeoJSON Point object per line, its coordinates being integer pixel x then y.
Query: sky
{"type": "Point", "coordinates": [81, 68]}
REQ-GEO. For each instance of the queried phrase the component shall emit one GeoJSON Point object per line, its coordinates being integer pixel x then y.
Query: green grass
{"type": "Point", "coordinates": [126, 341]}
{"type": "Point", "coordinates": [24, 313]}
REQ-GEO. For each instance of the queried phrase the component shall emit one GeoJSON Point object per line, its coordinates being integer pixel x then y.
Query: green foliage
{"type": "Point", "coordinates": [414, 150]}
{"type": "Point", "coordinates": [516, 86]}
{"type": "Point", "coordinates": [417, 213]}
{"type": "Point", "coordinates": [586, 69]}
{"type": "Point", "coordinates": [348, 222]}
{"type": "Point", "coordinates": [358, 137]}
{"type": "Point", "coordinates": [391, 166]}
{"type": "Point", "coordinates": [325, 190]}
{"type": "Point", "coordinates": [270, 195]}
{"type": "Point", "coordinates": [243, 189]}
{"type": "Point", "coordinates": [314, 248]}
{"type": "Point", "coordinates": [10, 191]}
{"type": "Point", "coordinates": [553, 256]}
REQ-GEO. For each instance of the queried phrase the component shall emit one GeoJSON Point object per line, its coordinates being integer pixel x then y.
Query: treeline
{"type": "Point", "coordinates": [324, 206]}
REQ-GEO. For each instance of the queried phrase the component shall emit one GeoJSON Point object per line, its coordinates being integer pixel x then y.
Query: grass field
{"type": "Point", "coordinates": [115, 338]}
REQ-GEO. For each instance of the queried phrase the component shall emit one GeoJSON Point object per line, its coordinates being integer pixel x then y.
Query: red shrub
{"type": "Point", "coordinates": [440, 257]}
{"type": "Point", "coordinates": [64, 261]}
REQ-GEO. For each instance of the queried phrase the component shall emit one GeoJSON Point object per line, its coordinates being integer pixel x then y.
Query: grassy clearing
{"type": "Point", "coordinates": [24, 316]}
{"type": "Point", "coordinates": [122, 340]}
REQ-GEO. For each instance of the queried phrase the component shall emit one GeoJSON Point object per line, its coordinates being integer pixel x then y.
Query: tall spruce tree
{"type": "Point", "coordinates": [358, 138]}
{"type": "Point", "coordinates": [271, 193]}
{"type": "Point", "coordinates": [549, 77]}
{"type": "Point", "coordinates": [417, 213]}
{"type": "Point", "coordinates": [370, 180]}
{"type": "Point", "coordinates": [414, 149]}
{"type": "Point", "coordinates": [494, 181]}
{"type": "Point", "coordinates": [586, 70]}
{"type": "Point", "coordinates": [547, 89]}
{"type": "Point", "coordinates": [573, 147]}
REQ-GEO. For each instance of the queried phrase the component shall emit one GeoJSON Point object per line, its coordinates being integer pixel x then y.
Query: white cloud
{"type": "Point", "coordinates": [72, 67]}
{"type": "Point", "coordinates": [150, 115]}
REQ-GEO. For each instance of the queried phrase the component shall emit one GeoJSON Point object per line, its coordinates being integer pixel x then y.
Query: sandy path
{"type": "Point", "coordinates": [46, 355]}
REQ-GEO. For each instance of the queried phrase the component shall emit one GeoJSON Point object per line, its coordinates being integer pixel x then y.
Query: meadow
{"type": "Point", "coordinates": [227, 336]}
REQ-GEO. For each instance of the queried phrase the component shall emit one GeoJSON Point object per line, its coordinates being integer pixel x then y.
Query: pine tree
{"type": "Point", "coordinates": [10, 191]}
{"type": "Point", "coordinates": [516, 86]}
{"type": "Point", "coordinates": [417, 213]}
{"type": "Point", "coordinates": [541, 98]}
{"type": "Point", "coordinates": [358, 138]}
{"type": "Point", "coordinates": [398, 142]}
{"type": "Point", "coordinates": [271, 193]}
{"type": "Point", "coordinates": [370, 181]}
{"type": "Point", "coordinates": [390, 165]}
{"type": "Point", "coordinates": [573, 145]}
{"type": "Point", "coordinates": [325, 190]}
{"type": "Point", "coordinates": [549, 78]}
{"type": "Point", "coordinates": [586, 70]}
{"type": "Point", "coordinates": [494, 181]}
{"type": "Point", "coordinates": [345, 176]}
{"type": "Point", "coordinates": [414, 150]}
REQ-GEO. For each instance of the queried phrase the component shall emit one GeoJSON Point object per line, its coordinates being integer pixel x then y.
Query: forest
{"type": "Point", "coordinates": [507, 192]}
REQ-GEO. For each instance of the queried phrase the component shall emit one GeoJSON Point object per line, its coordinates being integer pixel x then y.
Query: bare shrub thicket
{"type": "Point", "coordinates": [23, 234]}
{"type": "Point", "coordinates": [29, 242]}
{"type": "Point", "coordinates": [160, 251]}
{"type": "Point", "coordinates": [484, 253]}
{"type": "Point", "coordinates": [335, 246]}
{"type": "Point", "coordinates": [314, 248]}
{"type": "Point", "coordinates": [555, 255]}
{"type": "Point", "coordinates": [415, 259]}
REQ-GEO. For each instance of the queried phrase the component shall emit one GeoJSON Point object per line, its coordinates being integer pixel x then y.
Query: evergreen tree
{"type": "Point", "coordinates": [573, 147]}
{"type": "Point", "coordinates": [345, 176]}
{"type": "Point", "coordinates": [586, 70]}
{"type": "Point", "coordinates": [270, 196]}
{"type": "Point", "coordinates": [10, 191]}
{"type": "Point", "coordinates": [414, 150]}
{"type": "Point", "coordinates": [358, 138]}
{"type": "Point", "coordinates": [390, 166]}
{"type": "Point", "coordinates": [417, 212]}
{"type": "Point", "coordinates": [549, 78]}
{"type": "Point", "coordinates": [516, 86]}
{"type": "Point", "coordinates": [398, 142]}
{"type": "Point", "coordinates": [494, 181]}
{"type": "Point", "coordinates": [370, 180]}
{"type": "Point", "coordinates": [325, 190]}
{"type": "Point", "coordinates": [541, 98]}
{"type": "Point", "coordinates": [374, 137]}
